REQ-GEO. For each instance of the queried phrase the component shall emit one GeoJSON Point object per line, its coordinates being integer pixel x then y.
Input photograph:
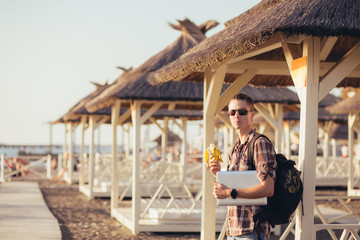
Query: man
{"type": "Point", "coordinates": [240, 223]}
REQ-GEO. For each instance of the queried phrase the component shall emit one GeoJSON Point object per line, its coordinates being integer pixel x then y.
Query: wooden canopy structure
{"type": "Point", "coordinates": [133, 92]}
{"type": "Point", "coordinates": [350, 106]}
{"type": "Point", "coordinates": [312, 44]}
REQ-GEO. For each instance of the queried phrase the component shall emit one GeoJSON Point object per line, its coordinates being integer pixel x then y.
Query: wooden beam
{"type": "Point", "coordinates": [101, 120]}
{"type": "Point", "coordinates": [224, 119]}
{"type": "Point", "coordinates": [172, 106]}
{"type": "Point", "coordinates": [337, 73]}
{"type": "Point", "coordinates": [153, 120]}
{"type": "Point", "coordinates": [271, 44]}
{"type": "Point", "coordinates": [264, 111]}
{"type": "Point", "coordinates": [328, 44]}
{"type": "Point", "coordinates": [281, 68]}
{"type": "Point", "coordinates": [150, 112]}
{"type": "Point", "coordinates": [234, 88]}
{"type": "Point", "coordinates": [214, 90]}
{"type": "Point", "coordinates": [124, 116]}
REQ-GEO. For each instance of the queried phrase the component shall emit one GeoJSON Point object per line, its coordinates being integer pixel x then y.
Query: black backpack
{"type": "Point", "coordinates": [288, 190]}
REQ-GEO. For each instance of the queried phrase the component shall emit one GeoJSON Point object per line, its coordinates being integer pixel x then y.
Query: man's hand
{"type": "Point", "coordinates": [221, 191]}
{"type": "Point", "coordinates": [214, 165]}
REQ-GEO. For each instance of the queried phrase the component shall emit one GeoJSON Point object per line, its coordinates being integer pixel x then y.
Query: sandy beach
{"type": "Point", "coordinates": [80, 218]}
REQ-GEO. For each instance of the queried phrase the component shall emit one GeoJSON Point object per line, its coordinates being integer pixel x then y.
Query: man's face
{"type": "Point", "coordinates": [239, 120]}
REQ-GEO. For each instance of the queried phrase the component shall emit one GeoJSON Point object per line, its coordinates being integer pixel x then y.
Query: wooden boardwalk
{"type": "Point", "coordinates": [24, 213]}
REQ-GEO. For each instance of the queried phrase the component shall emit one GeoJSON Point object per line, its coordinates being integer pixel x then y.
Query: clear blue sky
{"type": "Point", "coordinates": [51, 50]}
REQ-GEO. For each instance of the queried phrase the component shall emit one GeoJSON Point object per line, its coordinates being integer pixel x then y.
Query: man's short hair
{"type": "Point", "coordinates": [242, 96]}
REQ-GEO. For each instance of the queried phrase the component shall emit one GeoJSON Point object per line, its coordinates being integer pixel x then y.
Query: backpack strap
{"type": "Point", "coordinates": [251, 146]}
{"type": "Point", "coordinates": [250, 149]}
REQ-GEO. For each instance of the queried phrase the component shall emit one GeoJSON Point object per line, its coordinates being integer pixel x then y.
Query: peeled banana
{"type": "Point", "coordinates": [214, 151]}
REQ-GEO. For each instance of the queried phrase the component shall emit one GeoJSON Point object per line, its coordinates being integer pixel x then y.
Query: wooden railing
{"type": "Point", "coordinates": [7, 173]}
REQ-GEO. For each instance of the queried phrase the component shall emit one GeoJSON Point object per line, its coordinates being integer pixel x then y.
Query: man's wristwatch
{"type": "Point", "coordinates": [233, 193]}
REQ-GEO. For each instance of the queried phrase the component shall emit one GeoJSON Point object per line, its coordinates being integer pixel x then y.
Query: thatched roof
{"type": "Point", "coordinates": [349, 105]}
{"type": "Point", "coordinates": [271, 94]}
{"type": "Point", "coordinates": [80, 106]}
{"type": "Point", "coordinates": [323, 114]}
{"type": "Point", "coordinates": [340, 131]}
{"type": "Point", "coordinates": [268, 20]}
{"type": "Point", "coordinates": [172, 138]}
{"type": "Point", "coordinates": [134, 85]}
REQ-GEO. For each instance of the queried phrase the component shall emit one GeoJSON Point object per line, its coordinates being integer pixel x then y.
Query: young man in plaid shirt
{"type": "Point", "coordinates": [240, 223]}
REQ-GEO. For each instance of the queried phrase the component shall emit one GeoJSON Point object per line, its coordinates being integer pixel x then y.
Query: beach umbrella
{"type": "Point", "coordinates": [288, 42]}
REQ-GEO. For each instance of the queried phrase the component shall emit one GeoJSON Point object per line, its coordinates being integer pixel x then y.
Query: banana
{"type": "Point", "coordinates": [214, 151]}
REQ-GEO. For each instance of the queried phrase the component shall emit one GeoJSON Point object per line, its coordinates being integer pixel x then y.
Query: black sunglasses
{"type": "Point", "coordinates": [242, 112]}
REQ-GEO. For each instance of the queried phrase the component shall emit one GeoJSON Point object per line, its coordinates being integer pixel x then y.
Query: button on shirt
{"type": "Point", "coordinates": [240, 218]}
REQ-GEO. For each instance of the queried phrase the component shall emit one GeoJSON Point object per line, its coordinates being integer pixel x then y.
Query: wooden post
{"type": "Point", "coordinates": [279, 116]}
{"type": "Point", "coordinates": [286, 143]}
{"type": "Point", "coordinates": [60, 163]}
{"type": "Point", "coordinates": [48, 166]}
{"type": "Point", "coordinates": [2, 179]}
{"type": "Point", "coordinates": [115, 111]}
{"type": "Point", "coordinates": [82, 151]}
{"type": "Point", "coordinates": [183, 147]}
{"type": "Point", "coordinates": [65, 143]}
{"type": "Point", "coordinates": [212, 86]}
{"type": "Point", "coordinates": [70, 161]}
{"type": "Point", "coordinates": [351, 122]}
{"type": "Point", "coordinates": [91, 169]}
{"type": "Point", "coordinates": [308, 138]}
{"type": "Point", "coordinates": [164, 139]}
{"type": "Point", "coordinates": [333, 148]}
{"type": "Point", "coordinates": [226, 145]}
{"type": "Point", "coordinates": [135, 115]}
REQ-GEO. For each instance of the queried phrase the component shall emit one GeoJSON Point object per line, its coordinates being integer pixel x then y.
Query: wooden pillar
{"type": "Point", "coordinates": [183, 147]}
{"type": "Point", "coordinates": [351, 122]}
{"type": "Point", "coordinates": [115, 111]}
{"type": "Point", "coordinates": [2, 162]}
{"type": "Point", "coordinates": [333, 148]}
{"type": "Point", "coordinates": [135, 115]}
{"type": "Point", "coordinates": [70, 161]}
{"type": "Point", "coordinates": [286, 143]}
{"type": "Point", "coordinates": [164, 139]}
{"type": "Point", "coordinates": [65, 143]}
{"type": "Point", "coordinates": [308, 138]}
{"type": "Point", "coordinates": [91, 170]}
{"type": "Point", "coordinates": [212, 85]}
{"type": "Point", "coordinates": [226, 145]}
{"type": "Point", "coordinates": [82, 151]}
{"type": "Point", "coordinates": [279, 116]}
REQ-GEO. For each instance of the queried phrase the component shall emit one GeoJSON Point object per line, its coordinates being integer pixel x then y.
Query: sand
{"type": "Point", "coordinates": [80, 218]}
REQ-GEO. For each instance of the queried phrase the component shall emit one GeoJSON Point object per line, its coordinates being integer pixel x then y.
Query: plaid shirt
{"type": "Point", "coordinates": [240, 218]}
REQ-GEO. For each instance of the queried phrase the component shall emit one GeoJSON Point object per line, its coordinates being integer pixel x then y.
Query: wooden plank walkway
{"type": "Point", "coordinates": [24, 213]}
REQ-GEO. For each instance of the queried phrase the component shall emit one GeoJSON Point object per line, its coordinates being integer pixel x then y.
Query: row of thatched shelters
{"type": "Point", "coordinates": [256, 47]}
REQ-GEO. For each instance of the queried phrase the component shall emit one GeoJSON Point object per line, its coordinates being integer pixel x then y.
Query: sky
{"type": "Point", "coordinates": [51, 51]}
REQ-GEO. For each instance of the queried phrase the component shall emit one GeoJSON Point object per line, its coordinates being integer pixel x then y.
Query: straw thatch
{"type": "Point", "coordinates": [340, 131]}
{"type": "Point", "coordinates": [172, 138]}
{"type": "Point", "coordinates": [135, 86]}
{"type": "Point", "coordinates": [79, 107]}
{"type": "Point", "coordinates": [323, 114]}
{"type": "Point", "coordinates": [266, 21]}
{"type": "Point", "coordinates": [349, 105]}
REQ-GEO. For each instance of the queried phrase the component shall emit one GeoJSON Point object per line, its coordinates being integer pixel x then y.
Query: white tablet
{"type": "Point", "coordinates": [239, 179]}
